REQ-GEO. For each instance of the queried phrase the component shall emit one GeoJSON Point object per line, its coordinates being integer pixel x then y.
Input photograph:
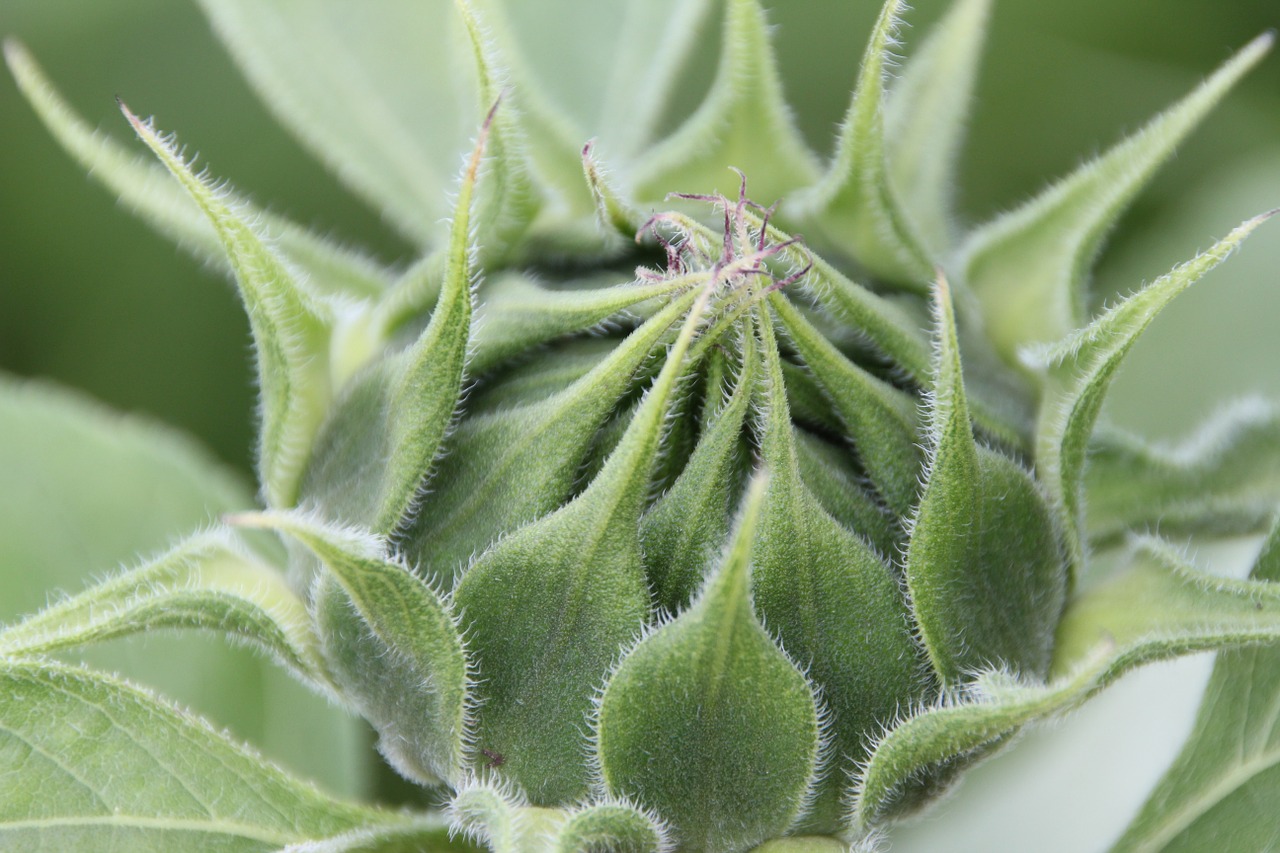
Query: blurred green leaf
{"type": "Point", "coordinates": [91, 762]}
{"type": "Point", "coordinates": [1030, 266]}
{"type": "Point", "coordinates": [1222, 784]}
{"type": "Point", "coordinates": [364, 93]}
{"type": "Point", "coordinates": [98, 489]}
{"type": "Point", "coordinates": [208, 581]}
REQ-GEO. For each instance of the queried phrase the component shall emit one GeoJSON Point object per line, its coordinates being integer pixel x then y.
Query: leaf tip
{"type": "Point", "coordinates": [1264, 42]}
{"type": "Point", "coordinates": [15, 52]}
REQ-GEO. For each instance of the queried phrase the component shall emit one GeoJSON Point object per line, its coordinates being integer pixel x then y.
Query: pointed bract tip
{"type": "Point", "coordinates": [941, 287]}
{"type": "Point", "coordinates": [493, 110]}
{"type": "Point", "coordinates": [138, 124]}
{"type": "Point", "coordinates": [15, 52]}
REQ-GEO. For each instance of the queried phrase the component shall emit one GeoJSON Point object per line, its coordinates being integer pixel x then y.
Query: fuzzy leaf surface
{"type": "Point", "coordinates": [144, 187]}
{"type": "Point", "coordinates": [542, 375]}
{"type": "Point", "coordinates": [107, 487]}
{"type": "Point", "coordinates": [926, 115]}
{"type": "Point", "coordinates": [1156, 610]}
{"type": "Point", "coordinates": [1226, 775]}
{"type": "Point", "coordinates": [1030, 266]}
{"type": "Point", "coordinates": [890, 330]}
{"type": "Point", "coordinates": [508, 467]}
{"type": "Point", "coordinates": [290, 330]}
{"type": "Point", "coordinates": [682, 532]}
{"type": "Point", "coordinates": [374, 452]}
{"type": "Point", "coordinates": [986, 578]}
{"type": "Point", "coordinates": [549, 606]}
{"type": "Point", "coordinates": [707, 721]}
{"type": "Point", "coordinates": [210, 581]}
{"type": "Point", "coordinates": [90, 762]}
{"type": "Point", "coordinates": [418, 834]}
{"type": "Point", "coordinates": [1079, 371]}
{"type": "Point", "coordinates": [392, 645]}
{"type": "Point", "coordinates": [855, 205]}
{"type": "Point", "coordinates": [613, 826]}
{"type": "Point", "coordinates": [1224, 479]}
{"type": "Point", "coordinates": [518, 314]}
{"type": "Point", "coordinates": [744, 123]}
{"type": "Point", "coordinates": [1162, 598]}
{"type": "Point", "coordinates": [879, 419]}
{"type": "Point", "coordinates": [833, 602]}
{"type": "Point", "coordinates": [842, 491]}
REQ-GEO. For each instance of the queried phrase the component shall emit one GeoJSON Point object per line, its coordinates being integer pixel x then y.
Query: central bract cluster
{"type": "Point", "coordinates": [735, 548]}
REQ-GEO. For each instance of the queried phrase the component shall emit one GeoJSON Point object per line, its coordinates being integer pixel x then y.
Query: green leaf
{"type": "Point", "coordinates": [983, 567]}
{"type": "Point", "coordinates": [1162, 599]}
{"type": "Point", "coordinates": [505, 468]}
{"type": "Point", "coordinates": [387, 101]}
{"type": "Point", "coordinates": [744, 123]}
{"type": "Point", "coordinates": [1030, 266]}
{"type": "Point", "coordinates": [90, 762]}
{"type": "Point", "coordinates": [615, 80]}
{"type": "Point", "coordinates": [210, 581]}
{"type": "Point", "coordinates": [613, 212]}
{"type": "Point", "coordinates": [930, 740]}
{"type": "Point", "coordinates": [1157, 609]}
{"type": "Point", "coordinates": [707, 721]}
{"type": "Point", "coordinates": [144, 187]}
{"type": "Point", "coordinates": [1079, 371]}
{"type": "Point", "coordinates": [393, 646]}
{"type": "Point", "coordinates": [612, 825]}
{"type": "Point", "coordinates": [810, 404]}
{"type": "Point", "coordinates": [418, 834]}
{"type": "Point", "coordinates": [827, 470]}
{"type": "Point", "coordinates": [836, 606]}
{"type": "Point", "coordinates": [813, 844]}
{"type": "Point", "coordinates": [373, 454]}
{"type": "Point", "coordinates": [683, 531]}
{"type": "Point", "coordinates": [518, 313]}
{"type": "Point", "coordinates": [290, 331]}
{"type": "Point", "coordinates": [542, 375]}
{"type": "Point", "coordinates": [562, 98]}
{"type": "Point", "coordinates": [854, 206]}
{"type": "Point", "coordinates": [88, 490]}
{"type": "Point", "coordinates": [497, 817]}
{"type": "Point", "coordinates": [880, 420]}
{"type": "Point", "coordinates": [926, 116]}
{"type": "Point", "coordinates": [1224, 780]}
{"type": "Point", "coordinates": [507, 199]}
{"type": "Point", "coordinates": [1224, 479]}
{"type": "Point", "coordinates": [573, 580]}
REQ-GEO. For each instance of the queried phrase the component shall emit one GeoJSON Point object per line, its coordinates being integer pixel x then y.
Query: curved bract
{"type": "Point", "coordinates": [756, 548]}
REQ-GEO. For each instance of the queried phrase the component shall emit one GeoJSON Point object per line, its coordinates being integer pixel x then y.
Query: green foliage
{"type": "Point", "coordinates": [677, 708]}
{"type": "Point", "coordinates": [1225, 774]}
{"type": "Point", "coordinates": [983, 566]}
{"type": "Point", "coordinates": [712, 556]}
{"type": "Point", "coordinates": [123, 771]}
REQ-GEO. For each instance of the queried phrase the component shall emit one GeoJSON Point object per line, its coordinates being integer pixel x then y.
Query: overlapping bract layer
{"type": "Point", "coordinates": [739, 549]}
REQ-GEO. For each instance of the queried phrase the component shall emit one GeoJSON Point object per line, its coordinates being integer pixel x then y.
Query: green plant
{"type": "Point", "coordinates": [757, 548]}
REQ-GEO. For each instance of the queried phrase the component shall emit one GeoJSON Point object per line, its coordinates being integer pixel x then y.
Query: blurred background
{"type": "Point", "coordinates": [89, 297]}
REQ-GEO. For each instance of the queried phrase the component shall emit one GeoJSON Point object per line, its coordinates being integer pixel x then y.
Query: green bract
{"type": "Point", "coordinates": [756, 548]}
